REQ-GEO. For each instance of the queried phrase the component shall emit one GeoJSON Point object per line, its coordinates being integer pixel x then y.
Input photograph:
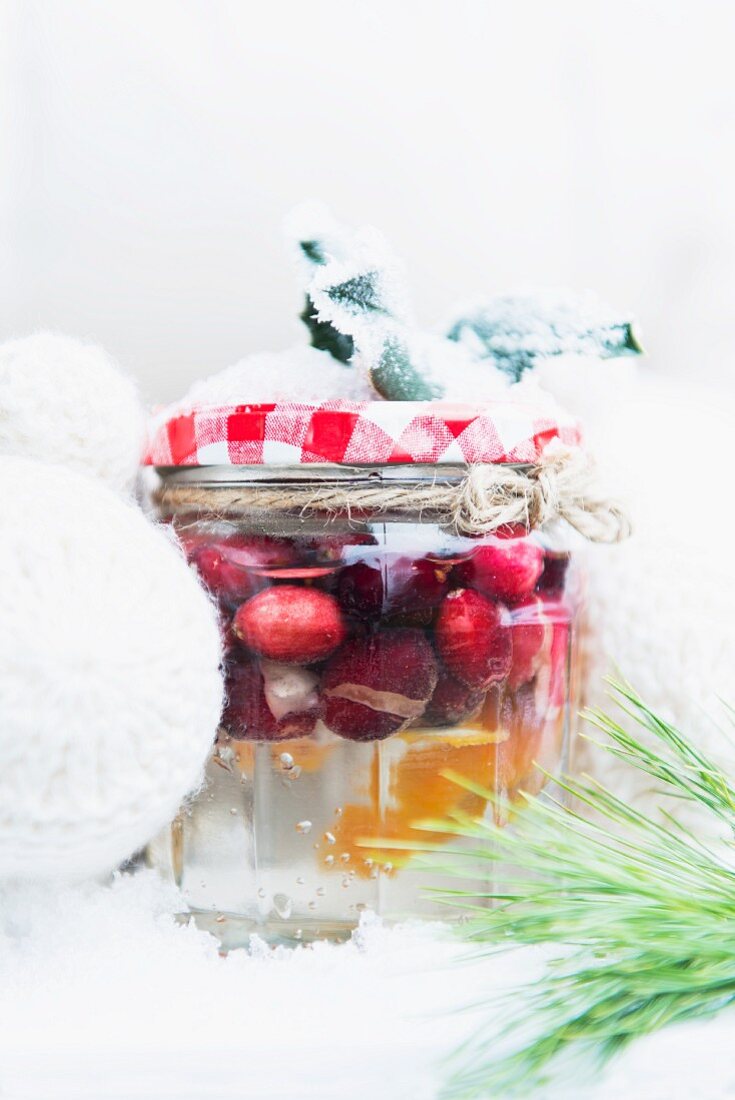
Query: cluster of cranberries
{"type": "Point", "coordinates": [371, 640]}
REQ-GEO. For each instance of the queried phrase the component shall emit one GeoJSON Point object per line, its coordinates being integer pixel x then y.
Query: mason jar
{"type": "Point", "coordinates": [375, 658]}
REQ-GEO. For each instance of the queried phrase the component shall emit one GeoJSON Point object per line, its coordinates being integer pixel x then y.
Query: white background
{"type": "Point", "coordinates": [150, 150]}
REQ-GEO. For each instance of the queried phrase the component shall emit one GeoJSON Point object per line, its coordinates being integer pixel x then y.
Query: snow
{"type": "Point", "coordinates": [104, 995]}
{"type": "Point", "coordinates": [300, 373]}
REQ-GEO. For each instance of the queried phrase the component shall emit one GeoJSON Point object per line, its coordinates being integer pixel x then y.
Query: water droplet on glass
{"type": "Point", "coordinates": [320, 891]}
{"type": "Point", "coordinates": [303, 827]}
{"type": "Point", "coordinates": [345, 857]}
{"type": "Point", "coordinates": [361, 906]}
{"type": "Point", "coordinates": [286, 760]}
{"type": "Point", "coordinates": [298, 934]}
{"type": "Point", "coordinates": [261, 893]}
{"type": "Point", "coordinates": [373, 874]}
{"type": "Point", "coordinates": [299, 881]}
{"type": "Point", "coordinates": [282, 905]}
{"type": "Point", "coordinates": [330, 838]}
{"type": "Point", "coordinates": [233, 810]}
{"type": "Point", "coordinates": [220, 919]}
{"type": "Point", "coordinates": [225, 757]}
{"type": "Point", "coordinates": [346, 881]}
{"type": "Point", "coordinates": [338, 811]}
{"type": "Point", "coordinates": [387, 867]}
{"type": "Point", "coordinates": [368, 863]}
{"type": "Point", "coordinates": [329, 860]}
{"type": "Point", "coordinates": [312, 905]}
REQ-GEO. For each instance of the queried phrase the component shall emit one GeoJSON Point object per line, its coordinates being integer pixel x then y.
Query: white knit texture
{"type": "Point", "coordinates": [65, 401]}
{"type": "Point", "coordinates": [662, 605]}
{"type": "Point", "coordinates": [110, 690]}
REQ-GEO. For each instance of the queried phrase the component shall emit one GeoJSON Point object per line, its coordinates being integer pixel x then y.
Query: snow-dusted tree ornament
{"type": "Point", "coordinates": [68, 401]}
{"type": "Point", "coordinates": [110, 690]}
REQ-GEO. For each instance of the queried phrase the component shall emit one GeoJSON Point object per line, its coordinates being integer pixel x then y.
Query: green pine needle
{"type": "Point", "coordinates": [639, 908]}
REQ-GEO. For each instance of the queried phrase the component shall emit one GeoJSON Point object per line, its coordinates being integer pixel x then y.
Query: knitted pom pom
{"type": "Point", "coordinates": [110, 691]}
{"type": "Point", "coordinates": [65, 401]}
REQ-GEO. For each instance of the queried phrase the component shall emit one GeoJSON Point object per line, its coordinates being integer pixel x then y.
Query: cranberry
{"type": "Point", "coordinates": [552, 579]}
{"type": "Point", "coordinates": [258, 708]}
{"type": "Point", "coordinates": [378, 685]}
{"type": "Point", "coordinates": [259, 551]}
{"type": "Point", "coordinates": [393, 583]}
{"type": "Point", "coordinates": [246, 713]}
{"type": "Point", "coordinates": [360, 589]}
{"type": "Point", "coordinates": [230, 583]}
{"type": "Point", "coordinates": [290, 624]}
{"type": "Point", "coordinates": [532, 631]}
{"type": "Point", "coordinates": [474, 638]}
{"type": "Point", "coordinates": [506, 569]}
{"type": "Point", "coordinates": [452, 702]}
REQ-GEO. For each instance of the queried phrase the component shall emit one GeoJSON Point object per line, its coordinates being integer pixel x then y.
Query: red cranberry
{"type": "Point", "coordinates": [290, 624]}
{"type": "Point", "coordinates": [246, 713]}
{"type": "Point", "coordinates": [252, 713]}
{"type": "Point", "coordinates": [451, 703]}
{"type": "Point", "coordinates": [552, 579]}
{"type": "Point", "coordinates": [378, 685]}
{"type": "Point", "coordinates": [230, 583]}
{"type": "Point", "coordinates": [259, 551]}
{"type": "Point", "coordinates": [532, 631]}
{"type": "Point", "coordinates": [415, 585]}
{"type": "Point", "coordinates": [474, 638]}
{"type": "Point", "coordinates": [360, 589]}
{"type": "Point", "coordinates": [506, 569]}
{"type": "Point", "coordinates": [393, 583]}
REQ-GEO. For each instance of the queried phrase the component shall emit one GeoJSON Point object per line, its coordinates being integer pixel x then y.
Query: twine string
{"type": "Point", "coordinates": [564, 486]}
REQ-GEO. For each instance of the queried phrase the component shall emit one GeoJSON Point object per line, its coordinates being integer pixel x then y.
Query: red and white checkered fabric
{"type": "Point", "coordinates": [355, 433]}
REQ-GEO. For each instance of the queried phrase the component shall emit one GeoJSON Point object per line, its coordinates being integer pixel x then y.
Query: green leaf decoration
{"type": "Point", "coordinates": [313, 251]}
{"type": "Point", "coordinates": [516, 331]}
{"type": "Point", "coordinates": [324, 336]}
{"type": "Point", "coordinates": [397, 378]}
{"type": "Point", "coordinates": [359, 296]}
{"type": "Point", "coordinates": [638, 906]}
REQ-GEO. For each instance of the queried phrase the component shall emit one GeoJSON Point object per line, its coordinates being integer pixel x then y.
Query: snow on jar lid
{"type": "Point", "coordinates": [357, 433]}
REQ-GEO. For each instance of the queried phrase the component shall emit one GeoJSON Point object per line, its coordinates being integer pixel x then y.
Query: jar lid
{"type": "Point", "coordinates": [355, 433]}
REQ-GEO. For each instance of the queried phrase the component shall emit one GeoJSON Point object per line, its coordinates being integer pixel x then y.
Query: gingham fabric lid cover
{"type": "Point", "coordinates": [355, 433]}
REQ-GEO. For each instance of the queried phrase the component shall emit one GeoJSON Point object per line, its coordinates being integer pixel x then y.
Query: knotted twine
{"type": "Point", "coordinates": [564, 486]}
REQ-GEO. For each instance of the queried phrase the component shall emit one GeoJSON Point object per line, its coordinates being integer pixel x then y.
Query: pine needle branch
{"type": "Point", "coordinates": [635, 906]}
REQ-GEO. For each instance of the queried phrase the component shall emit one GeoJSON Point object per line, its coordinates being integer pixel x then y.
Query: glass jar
{"type": "Point", "coordinates": [368, 658]}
